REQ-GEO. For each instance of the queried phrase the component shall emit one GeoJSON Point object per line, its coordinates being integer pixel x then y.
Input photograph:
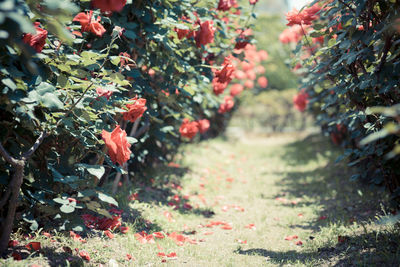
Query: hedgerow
{"type": "Point", "coordinates": [95, 91]}
{"type": "Point", "coordinates": [348, 54]}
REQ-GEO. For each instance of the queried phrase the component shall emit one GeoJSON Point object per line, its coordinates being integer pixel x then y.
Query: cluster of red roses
{"type": "Point", "coordinates": [299, 22]}
{"type": "Point", "coordinates": [189, 129]}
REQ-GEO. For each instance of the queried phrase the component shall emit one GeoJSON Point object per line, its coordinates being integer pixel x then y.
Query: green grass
{"type": "Point", "coordinates": [292, 167]}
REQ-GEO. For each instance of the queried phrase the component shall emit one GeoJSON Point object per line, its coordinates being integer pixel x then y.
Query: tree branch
{"type": "Point", "coordinates": [35, 146]}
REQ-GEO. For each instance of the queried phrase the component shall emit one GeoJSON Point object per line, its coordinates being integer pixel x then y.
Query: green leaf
{"type": "Point", "coordinates": [51, 101]}
{"type": "Point", "coordinates": [96, 170]}
{"type": "Point", "coordinates": [107, 199]}
{"type": "Point", "coordinates": [66, 208]}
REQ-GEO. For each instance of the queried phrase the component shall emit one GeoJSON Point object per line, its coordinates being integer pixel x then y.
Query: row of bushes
{"type": "Point", "coordinates": [100, 90]}
{"type": "Point", "coordinates": [348, 55]}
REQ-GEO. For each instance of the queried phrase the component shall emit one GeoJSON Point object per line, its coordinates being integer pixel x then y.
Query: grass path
{"type": "Point", "coordinates": [261, 190]}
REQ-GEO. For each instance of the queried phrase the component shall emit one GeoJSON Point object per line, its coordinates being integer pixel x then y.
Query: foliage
{"type": "Point", "coordinates": [350, 59]}
{"type": "Point", "coordinates": [90, 68]}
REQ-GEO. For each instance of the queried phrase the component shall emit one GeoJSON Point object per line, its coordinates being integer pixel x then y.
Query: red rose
{"type": "Point", "coordinates": [109, 5]}
{"type": "Point", "coordinates": [189, 129]}
{"type": "Point", "coordinates": [262, 82]}
{"type": "Point", "coordinates": [135, 110]}
{"type": "Point", "coordinates": [117, 144]}
{"type": "Point", "coordinates": [236, 89]}
{"type": "Point", "coordinates": [101, 92]}
{"type": "Point", "coordinates": [90, 24]}
{"type": "Point", "coordinates": [225, 5]}
{"type": "Point", "coordinates": [227, 105]}
{"type": "Point", "coordinates": [203, 125]}
{"type": "Point", "coordinates": [225, 75]}
{"type": "Point", "coordinates": [253, 2]}
{"type": "Point", "coordinates": [184, 32]}
{"type": "Point", "coordinates": [205, 34]}
{"type": "Point", "coordinates": [249, 84]}
{"type": "Point", "coordinates": [300, 100]}
{"type": "Point", "coordinates": [242, 41]}
{"type": "Point", "coordinates": [291, 35]}
{"type": "Point", "coordinates": [218, 87]}
{"type": "Point", "coordinates": [37, 40]}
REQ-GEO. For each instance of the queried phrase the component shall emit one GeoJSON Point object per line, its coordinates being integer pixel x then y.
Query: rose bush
{"type": "Point", "coordinates": [348, 58]}
{"type": "Point", "coordinates": [95, 90]}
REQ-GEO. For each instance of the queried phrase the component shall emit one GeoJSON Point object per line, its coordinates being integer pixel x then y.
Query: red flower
{"type": "Point", "coordinates": [291, 35]}
{"type": "Point", "coordinates": [253, 2]}
{"type": "Point", "coordinates": [189, 129]}
{"type": "Point", "coordinates": [294, 17]}
{"type": "Point", "coordinates": [90, 24]}
{"type": "Point", "coordinates": [225, 5]}
{"type": "Point", "coordinates": [225, 75]}
{"type": "Point", "coordinates": [135, 110]}
{"type": "Point", "coordinates": [300, 100]}
{"type": "Point", "coordinates": [241, 41]}
{"type": "Point", "coordinates": [117, 144]}
{"type": "Point", "coordinates": [262, 82]}
{"type": "Point", "coordinates": [227, 105]}
{"type": "Point", "coordinates": [249, 84]}
{"type": "Point", "coordinates": [205, 34]}
{"type": "Point", "coordinates": [106, 93]}
{"type": "Point", "coordinates": [203, 125]}
{"type": "Point", "coordinates": [37, 40]}
{"type": "Point", "coordinates": [236, 89]}
{"type": "Point", "coordinates": [109, 5]}
{"type": "Point", "coordinates": [184, 32]}
{"type": "Point", "coordinates": [218, 87]}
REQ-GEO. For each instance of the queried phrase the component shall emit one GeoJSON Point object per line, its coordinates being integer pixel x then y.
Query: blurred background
{"type": "Point", "coordinates": [271, 109]}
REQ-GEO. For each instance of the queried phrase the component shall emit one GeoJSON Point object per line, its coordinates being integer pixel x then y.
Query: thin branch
{"type": "Point", "coordinates": [35, 146]}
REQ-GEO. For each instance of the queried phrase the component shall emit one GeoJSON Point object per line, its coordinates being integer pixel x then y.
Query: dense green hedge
{"type": "Point", "coordinates": [95, 90]}
{"type": "Point", "coordinates": [349, 56]}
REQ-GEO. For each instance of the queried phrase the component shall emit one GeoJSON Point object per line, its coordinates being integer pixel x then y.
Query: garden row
{"type": "Point", "coordinates": [94, 92]}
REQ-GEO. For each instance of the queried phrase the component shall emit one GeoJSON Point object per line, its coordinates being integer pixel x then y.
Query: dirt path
{"type": "Point", "coordinates": [235, 202]}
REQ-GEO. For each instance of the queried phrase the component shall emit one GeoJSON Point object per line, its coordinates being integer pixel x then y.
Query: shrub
{"type": "Point", "coordinates": [349, 55]}
{"type": "Point", "coordinates": [92, 91]}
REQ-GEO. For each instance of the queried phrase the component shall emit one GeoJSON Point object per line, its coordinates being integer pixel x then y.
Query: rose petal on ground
{"type": "Point", "coordinates": [322, 218]}
{"type": "Point", "coordinates": [158, 235]}
{"type": "Point", "coordinates": [291, 237]}
{"type": "Point", "coordinates": [84, 255]}
{"type": "Point", "coordinates": [251, 226]}
{"type": "Point", "coordinates": [109, 234]}
{"type": "Point", "coordinates": [241, 241]}
{"type": "Point", "coordinates": [299, 243]}
{"type": "Point", "coordinates": [16, 256]}
{"type": "Point", "coordinates": [47, 234]}
{"type": "Point", "coordinates": [124, 229]}
{"type": "Point", "coordinates": [13, 243]}
{"type": "Point", "coordinates": [128, 257]}
{"type": "Point", "coordinates": [168, 215]}
{"type": "Point", "coordinates": [33, 246]}
{"type": "Point", "coordinates": [226, 227]}
{"type": "Point", "coordinates": [208, 233]}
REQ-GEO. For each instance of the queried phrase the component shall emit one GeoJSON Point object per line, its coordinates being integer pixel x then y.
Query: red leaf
{"type": "Point", "coordinates": [84, 255]}
{"type": "Point", "coordinates": [33, 246]}
{"type": "Point", "coordinates": [109, 234]}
